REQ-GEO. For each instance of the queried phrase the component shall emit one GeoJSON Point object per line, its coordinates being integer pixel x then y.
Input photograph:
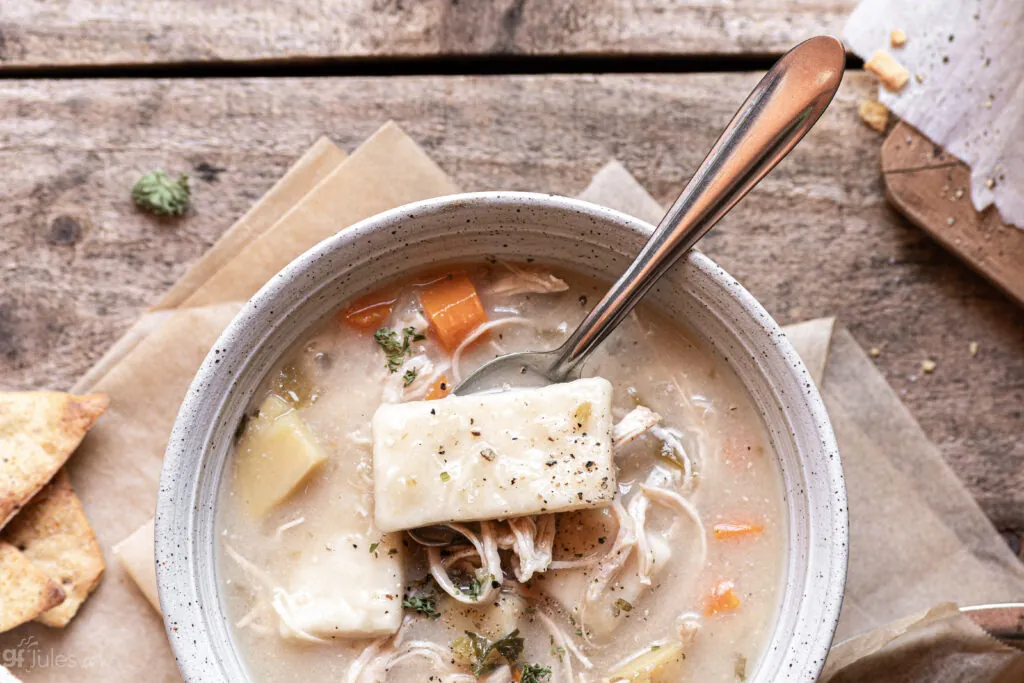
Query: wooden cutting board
{"type": "Point", "coordinates": [932, 189]}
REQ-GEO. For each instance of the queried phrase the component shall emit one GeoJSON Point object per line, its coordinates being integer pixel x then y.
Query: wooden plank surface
{"type": "Point", "coordinates": [87, 32]}
{"type": "Point", "coordinates": [78, 262]}
{"type": "Point", "coordinates": [933, 189]}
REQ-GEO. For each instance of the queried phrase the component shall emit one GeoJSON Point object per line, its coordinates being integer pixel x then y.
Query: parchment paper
{"type": "Point", "coordinates": [918, 538]}
{"type": "Point", "coordinates": [967, 88]}
{"type": "Point", "coordinates": [939, 646]}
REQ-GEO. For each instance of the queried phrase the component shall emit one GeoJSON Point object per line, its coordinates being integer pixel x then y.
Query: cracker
{"type": "Point", "coordinates": [136, 556]}
{"type": "Point", "coordinates": [38, 431]}
{"type": "Point", "coordinates": [892, 74]}
{"type": "Point", "coordinates": [54, 534]}
{"type": "Point", "coordinates": [25, 591]}
{"type": "Point", "coordinates": [874, 114]}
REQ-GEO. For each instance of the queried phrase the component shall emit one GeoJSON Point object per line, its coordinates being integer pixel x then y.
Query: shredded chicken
{"type": "Point", "coordinates": [437, 657]}
{"type": "Point", "coordinates": [489, 574]}
{"type": "Point", "coordinates": [673, 500]}
{"type": "Point", "coordinates": [610, 566]}
{"type": "Point", "coordinates": [533, 544]}
{"type": "Point", "coordinates": [425, 374]}
{"type": "Point", "coordinates": [638, 512]}
{"type": "Point", "coordinates": [480, 331]}
{"type": "Point", "coordinates": [288, 525]}
{"type": "Point", "coordinates": [633, 425]}
{"type": "Point", "coordinates": [522, 281]}
{"type": "Point", "coordinates": [688, 624]}
{"type": "Point", "coordinates": [566, 644]}
{"type": "Point", "coordinates": [269, 596]}
{"type": "Point", "coordinates": [673, 445]}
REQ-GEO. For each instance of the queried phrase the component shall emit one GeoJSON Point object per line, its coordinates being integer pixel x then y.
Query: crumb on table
{"type": "Point", "coordinates": [898, 37]}
{"type": "Point", "coordinates": [892, 74]}
{"type": "Point", "coordinates": [874, 114]}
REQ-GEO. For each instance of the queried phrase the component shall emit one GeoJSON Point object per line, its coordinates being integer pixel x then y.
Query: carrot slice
{"type": "Point", "coordinates": [730, 530]}
{"type": "Point", "coordinates": [440, 389]}
{"type": "Point", "coordinates": [453, 308]}
{"type": "Point", "coordinates": [369, 312]}
{"type": "Point", "coordinates": [722, 598]}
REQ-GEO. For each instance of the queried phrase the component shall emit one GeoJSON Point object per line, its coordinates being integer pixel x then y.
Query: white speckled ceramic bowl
{"type": "Point", "coordinates": [508, 225]}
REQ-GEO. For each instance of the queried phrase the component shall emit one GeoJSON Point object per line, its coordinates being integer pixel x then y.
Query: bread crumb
{"type": "Point", "coordinates": [875, 352]}
{"type": "Point", "coordinates": [892, 74]}
{"type": "Point", "coordinates": [928, 365]}
{"type": "Point", "coordinates": [874, 114]}
{"type": "Point", "coordinates": [973, 349]}
{"type": "Point", "coordinates": [990, 183]}
{"type": "Point", "coordinates": [919, 78]}
{"type": "Point", "coordinates": [898, 38]}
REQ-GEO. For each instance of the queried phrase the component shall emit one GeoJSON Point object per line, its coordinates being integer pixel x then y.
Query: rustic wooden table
{"type": "Point", "coordinates": [524, 94]}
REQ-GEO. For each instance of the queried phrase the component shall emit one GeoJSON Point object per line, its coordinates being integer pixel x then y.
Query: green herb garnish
{"type": "Point", "coordinates": [473, 589]}
{"type": "Point", "coordinates": [158, 193]}
{"type": "Point", "coordinates": [621, 606]}
{"type": "Point", "coordinates": [424, 604]}
{"type": "Point", "coordinates": [445, 477]}
{"type": "Point", "coordinates": [534, 673]}
{"type": "Point", "coordinates": [741, 667]}
{"type": "Point", "coordinates": [373, 547]}
{"type": "Point", "coordinates": [485, 656]}
{"type": "Point", "coordinates": [556, 649]}
{"type": "Point", "coordinates": [395, 349]}
{"type": "Point", "coordinates": [409, 377]}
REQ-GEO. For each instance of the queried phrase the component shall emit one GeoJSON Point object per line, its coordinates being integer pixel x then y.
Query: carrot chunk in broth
{"type": "Point", "coordinates": [453, 308]}
{"type": "Point", "coordinates": [726, 531]}
{"type": "Point", "coordinates": [440, 389]}
{"type": "Point", "coordinates": [369, 312]}
{"type": "Point", "coordinates": [722, 598]}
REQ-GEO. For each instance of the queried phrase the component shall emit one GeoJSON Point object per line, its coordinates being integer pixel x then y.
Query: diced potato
{"type": "Point", "coordinates": [661, 664]}
{"type": "Point", "coordinates": [276, 453]}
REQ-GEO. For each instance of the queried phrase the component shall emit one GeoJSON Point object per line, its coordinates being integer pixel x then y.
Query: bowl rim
{"type": "Point", "coordinates": [174, 567]}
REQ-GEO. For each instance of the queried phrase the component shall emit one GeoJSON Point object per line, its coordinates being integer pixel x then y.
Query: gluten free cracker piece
{"type": "Point", "coordinates": [136, 556]}
{"type": "Point", "coordinates": [54, 534]}
{"type": "Point", "coordinates": [892, 74]}
{"type": "Point", "coordinates": [874, 114]}
{"type": "Point", "coordinates": [38, 431]}
{"type": "Point", "coordinates": [25, 591]}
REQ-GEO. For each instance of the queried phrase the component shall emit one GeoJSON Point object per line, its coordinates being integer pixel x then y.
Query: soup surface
{"type": "Point", "coordinates": [678, 579]}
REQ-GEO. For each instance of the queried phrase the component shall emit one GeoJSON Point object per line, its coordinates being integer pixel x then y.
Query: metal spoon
{"type": "Point", "coordinates": [775, 116]}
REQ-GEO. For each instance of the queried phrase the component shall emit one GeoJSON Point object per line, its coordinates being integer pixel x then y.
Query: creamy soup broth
{"type": "Point", "coordinates": [714, 586]}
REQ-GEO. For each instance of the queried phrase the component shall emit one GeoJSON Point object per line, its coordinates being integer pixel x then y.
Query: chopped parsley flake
{"type": "Point", "coordinates": [395, 349]}
{"type": "Point", "coordinates": [485, 656]}
{"type": "Point", "coordinates": [445, 477]}
{"type": "Point", "coordinates": [424, 604]}
{"type": "Point", "coordinates": [409, 377]}
{"type": "Point", "coordinates": [373, 547]}
{"type": "Point", "coordinates": [534, 673]}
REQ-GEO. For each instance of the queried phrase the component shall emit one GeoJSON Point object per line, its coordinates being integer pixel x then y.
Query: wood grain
{"type": "Point", "coordinates": [85, 32]}
{"type": "Point", "coordinates": [817, 237]}
{"type": "Point", "coordinates": [933, 189]}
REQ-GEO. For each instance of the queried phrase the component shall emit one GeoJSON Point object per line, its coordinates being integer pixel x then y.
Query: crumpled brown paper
{"type": "Point", "coordinates": [917, 539]}
{"type": "Point", "coordinates": [940, 646]}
